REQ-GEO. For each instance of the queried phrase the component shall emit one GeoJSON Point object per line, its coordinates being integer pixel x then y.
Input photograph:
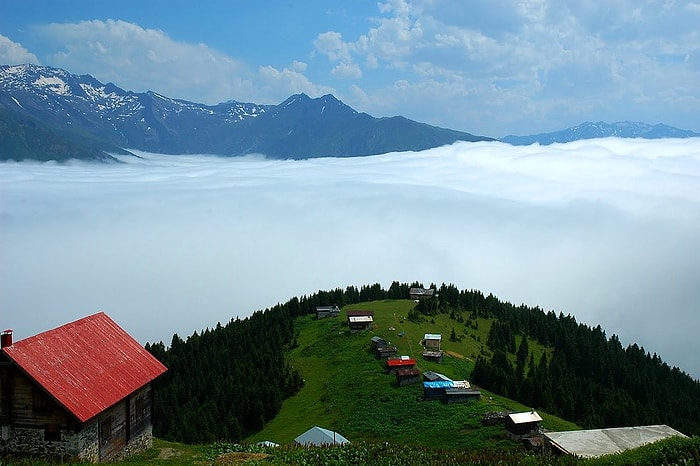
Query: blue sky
{"type": "Point", "coordinates": [491, 68]}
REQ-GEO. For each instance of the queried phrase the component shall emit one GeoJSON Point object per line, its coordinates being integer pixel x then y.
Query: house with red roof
{"type": "Point", "coordinates": [399, 362]}
{"type": "Point", "coordinates": [82, 391]}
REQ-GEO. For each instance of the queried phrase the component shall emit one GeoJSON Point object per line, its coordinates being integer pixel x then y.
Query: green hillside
{"type": "Point", "coordinates": [347, 390]}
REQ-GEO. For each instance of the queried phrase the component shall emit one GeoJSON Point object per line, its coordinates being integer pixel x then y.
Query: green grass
{"type": "Point", "coordinates": [347, 390]}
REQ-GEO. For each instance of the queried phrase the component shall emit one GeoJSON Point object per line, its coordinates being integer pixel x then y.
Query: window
{"type": "Point", "coordinates": [105, 429]}
{"type": "Point", "coordinates": [40, 402]}
{"type": "Point", "coordinates": [52, 432]}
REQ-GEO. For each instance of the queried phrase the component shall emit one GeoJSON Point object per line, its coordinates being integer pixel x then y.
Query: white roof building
{"type": "Point", "coordinates": [598, 442]}
{"type": "Point", "coordinates": [523, 418]}
{"type": "Point", "coordinates": [320, 436]}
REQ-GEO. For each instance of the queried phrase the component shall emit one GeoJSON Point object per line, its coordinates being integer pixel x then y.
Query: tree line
{"type": "Point", "coordinates": [584, 376]}
{"type": "Point", "coordinates": [228, 381]}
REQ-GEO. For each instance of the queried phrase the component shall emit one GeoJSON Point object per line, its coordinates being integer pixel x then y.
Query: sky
{"type": "Point", "coordinates": [605, 230]}
{"type": "Point", "coordinates": [484, 67]}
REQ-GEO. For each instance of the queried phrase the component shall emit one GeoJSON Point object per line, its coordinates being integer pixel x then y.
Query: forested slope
{"type": "Point", "coordinates": [227, 382]}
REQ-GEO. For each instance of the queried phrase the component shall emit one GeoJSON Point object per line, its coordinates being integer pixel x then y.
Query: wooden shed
{"type": "Point", "coordinates": [385, 352]}
{"type": "Point", "coordinates": [432, 341]}
{"type": "Point", "coordinates": [522, 425]}
{"type": "Point", "coordinates": [461, 395]}
{"type": "Point", "coordinates": [432, 355]}
{"type": "Point", "coordinates": [80, 391]}
{"type": "Point", "coordinates": [401, 362]}
{"type": "Point", "coordinates": [416, 293]}
{"type": "Point", "coordinates": [379, 342]}
{"type": "Point", "coordinates": [327, 311]}
{"type": "Point", "coordinates": [360, 320]}
{"type": "Point", "coordinates": [407, 376]}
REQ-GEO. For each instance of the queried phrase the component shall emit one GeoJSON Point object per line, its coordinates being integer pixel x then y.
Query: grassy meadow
{"type": "Point", "coordinates": [347, 390]}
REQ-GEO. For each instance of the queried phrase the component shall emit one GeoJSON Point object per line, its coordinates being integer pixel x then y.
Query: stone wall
{"type": "Point", "coordinates": [139, 443]}
{"type": "Point", "coordinates": [88, 443]}
{"type": "Point", "coordinates": [29, 441]}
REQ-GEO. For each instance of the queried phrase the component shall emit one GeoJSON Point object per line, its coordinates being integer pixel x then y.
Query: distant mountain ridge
{"type": "Point", "coordinates": [590, 130]}
{"type": "Point", "coordinates": [50, 114]}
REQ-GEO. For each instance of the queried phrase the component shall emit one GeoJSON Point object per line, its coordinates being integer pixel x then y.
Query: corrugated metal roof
{"type": "Point", "coordinates": [87, 365]}
{"type": "Point", "coordinates": [400, 362]}
{"type": "Point", "coordinates": [597, 442]}
{"type": "Point", "coordinates": [432, 336]}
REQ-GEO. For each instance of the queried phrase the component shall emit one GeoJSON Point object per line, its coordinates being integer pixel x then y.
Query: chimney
{"type": "Point", "coordinates": [6, 338]}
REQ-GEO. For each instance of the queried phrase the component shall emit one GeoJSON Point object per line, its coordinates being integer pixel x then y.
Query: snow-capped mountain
{"type": "Point", "coordinates": [590, 130]}
{"type": "Point", "coordinates": [80, 114]}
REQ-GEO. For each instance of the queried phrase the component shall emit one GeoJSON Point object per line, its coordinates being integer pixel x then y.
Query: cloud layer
{"type": "Point", "coordinates": [606, 230]}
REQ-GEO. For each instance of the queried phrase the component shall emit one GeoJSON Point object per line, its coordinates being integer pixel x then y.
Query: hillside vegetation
{"type": "Point", "coordinates": [281, 371]}
{"type": "Point", "coordinates": [346, 388]}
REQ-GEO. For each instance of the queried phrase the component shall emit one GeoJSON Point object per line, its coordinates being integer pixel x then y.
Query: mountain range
{"type": "Point", "coordinates": [50, 114]}
{"type": "Point", "coordinates": [590, 130]}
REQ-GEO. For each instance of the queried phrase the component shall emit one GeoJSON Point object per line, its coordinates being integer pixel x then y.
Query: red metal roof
{"type": "Point", "coordinates": [87, 365]}
{"type": "Point", "coordinates": [401, 362]}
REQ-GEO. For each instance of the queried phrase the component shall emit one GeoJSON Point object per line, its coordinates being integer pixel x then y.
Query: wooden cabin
{"type": "Point", "coordinates": [432, 341]}
{"type": "Point", "coordinates": [432, 355]}
{"type": "Point", "coordinates": [523, 425]}
{"type": "Point", "coordinates": [417, 293]}
{"type": "Point", "coordinates": [401, 362]}
{"type": "Point", "coordinates": [385, 352]}
{"type": "Point", "coordinates": [379, 342]}
{"type": "Point", "coordinates": [82, 391]}
{"type": "Point", "coordinates": [360, 320]}
{"type": "Point", "coordinates": [327, 311]}
{"type": "Point", "coordinates": [407, 376]}
{"type": "Point", "coordinates": [461, 395]}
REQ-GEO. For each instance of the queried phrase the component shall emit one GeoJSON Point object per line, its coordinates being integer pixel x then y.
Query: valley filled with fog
{"type": "Point", "coordinates": [607, 230]}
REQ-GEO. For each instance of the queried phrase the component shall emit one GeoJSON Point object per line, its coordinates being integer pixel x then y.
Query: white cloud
{"type": "Point", "coordinates": [147, 59]}
{"type": "Point", "coordinates": [12, 53]}
{"type": "Point", "coordinates": [523, 64]}
{"type": "Point", "coordinates": [603, 229]}
{"type": "Point", "coordinates": [280, 84]}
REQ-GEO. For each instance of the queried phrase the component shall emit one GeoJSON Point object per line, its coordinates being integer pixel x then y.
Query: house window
{"type": "Point", "coordinates": [40, 402]}
{"type": "Point", "coordinates": [105, 429]}
{"type": "Point", "coordinates": [52, 432]}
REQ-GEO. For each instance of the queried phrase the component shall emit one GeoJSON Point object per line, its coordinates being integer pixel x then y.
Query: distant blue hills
{"type": "Point", "coordinates": [590, 130]}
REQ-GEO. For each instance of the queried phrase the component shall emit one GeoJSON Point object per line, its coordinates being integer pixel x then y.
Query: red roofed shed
{"type": "Point", "coordinates": [82, 390]}
{"type": "Point", "coordinates": [392, 364]}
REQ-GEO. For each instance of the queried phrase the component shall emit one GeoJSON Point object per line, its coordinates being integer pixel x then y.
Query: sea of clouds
{"type": "Point", "coordinates": [607, 230]}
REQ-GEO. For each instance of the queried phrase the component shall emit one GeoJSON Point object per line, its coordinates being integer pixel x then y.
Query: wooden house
{"type": "Point", "coordinates": [522, 425]}
{"type": "Point", "coordinates": [432, 341]}
{"type": "Point", "coordinates": [407, 376]}
{"type": "Point", "coordinates": [81, 391]}
{"type": "Point", "coordinates": [360, 320]}
{"type": "Point", "coordinates": [461, 395]}
{"type": "Point", "coordinates": [379, 342]}
{"type": "Point", "coordinates": [432, 355]}
{"type": "Point", "coordinates": [401, 362]}
{"type": "Point", "coordinates": [417, 293]}
{"type": "Point", "coordinates": [327, 311]}
{"type": "Point", "coordinates": [385, 352]}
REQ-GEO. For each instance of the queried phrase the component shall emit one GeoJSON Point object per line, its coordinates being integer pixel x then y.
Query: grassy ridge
{"type": "Point", "coordinates": [347, 390]}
